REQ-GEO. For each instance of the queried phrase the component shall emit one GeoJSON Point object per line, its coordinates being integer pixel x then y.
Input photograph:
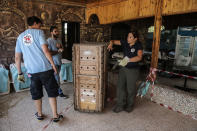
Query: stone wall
{"type": "Point", "coordinates": [94, 32]}
{"type": "Point", "coordinates": [97, 33]}
{"type": "Point", "coordinates": [15, 12]}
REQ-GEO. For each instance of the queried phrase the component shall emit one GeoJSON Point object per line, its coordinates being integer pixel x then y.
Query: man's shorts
{"type": "Point", "coordinates": [46, 79]}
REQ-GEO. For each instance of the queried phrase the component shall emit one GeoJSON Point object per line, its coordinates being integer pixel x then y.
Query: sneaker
{"type": "Point", "coordinates": [129, 109]}
{"type": "Point", "coordinates": [63, 96]}
{"type": "Point", "coordinates": [118, 109]}
{"type": "Point", "coordinates": [60, 117]}
{"type": "Point", "coordinates": [39, 117]}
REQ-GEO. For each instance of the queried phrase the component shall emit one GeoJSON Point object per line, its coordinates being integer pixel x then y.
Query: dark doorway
{"type": "Point", "coordinates": [119, 32]}
{"type": "Point", "coordinates": [70, 35]}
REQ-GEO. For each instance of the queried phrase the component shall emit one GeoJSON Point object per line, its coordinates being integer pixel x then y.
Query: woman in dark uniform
{"type": "Point", "coordinates": [128, 75]}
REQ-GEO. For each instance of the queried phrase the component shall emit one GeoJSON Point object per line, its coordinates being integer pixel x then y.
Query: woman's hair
{"type": "Point", "coordinates": [135, 34]}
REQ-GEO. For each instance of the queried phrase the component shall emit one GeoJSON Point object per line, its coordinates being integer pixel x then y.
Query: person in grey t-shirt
{"type": "Point", "coordinates": [56, 48]}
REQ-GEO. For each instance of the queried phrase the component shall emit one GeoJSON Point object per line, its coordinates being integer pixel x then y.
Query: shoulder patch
{"type": "Point", "coordinates": [132, 50]}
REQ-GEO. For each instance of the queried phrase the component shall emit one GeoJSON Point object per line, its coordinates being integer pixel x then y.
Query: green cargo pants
{"type": "Point", "coordinates": [126, 87]}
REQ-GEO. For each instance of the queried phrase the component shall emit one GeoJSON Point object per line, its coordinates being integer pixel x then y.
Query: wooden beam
{"type": "Point", "coordinates": [63, 2]}
{"type": "Point", "coordinates": [157, 31]}
{"type": "Point", "coordinates": [125, 10]}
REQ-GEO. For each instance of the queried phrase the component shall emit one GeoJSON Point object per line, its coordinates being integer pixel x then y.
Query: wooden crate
{"type": "Point", "coordinates": [89, 69]}
{"type": "Point", "coordinates": [89, 59]}
{"type": "Point", "coordinates": [89, 93]}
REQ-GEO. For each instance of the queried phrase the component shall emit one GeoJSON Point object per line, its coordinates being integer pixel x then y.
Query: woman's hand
{"type": "Point", "coordinates": [110, 46]}
{"type": "Point", "coordinates": [60, 50]}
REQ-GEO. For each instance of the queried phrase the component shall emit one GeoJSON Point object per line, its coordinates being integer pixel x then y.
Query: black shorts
{"type": "Point", "coordinates": [46, 79]}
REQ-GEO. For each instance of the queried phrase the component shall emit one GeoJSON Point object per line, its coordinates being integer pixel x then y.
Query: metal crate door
{"type": "Point", "coordinates": [183, 49]}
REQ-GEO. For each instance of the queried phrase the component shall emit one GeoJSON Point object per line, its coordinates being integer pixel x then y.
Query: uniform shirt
{"type": "Point", "coordinates": [52, 47]}
{"type": "Point", "coordinates": [130, 52]}
{"type": "Point", "coordinates": [29, 44]}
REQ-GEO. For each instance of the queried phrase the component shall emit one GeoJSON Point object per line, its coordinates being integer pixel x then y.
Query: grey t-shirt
{"type": "Point", "coordinates": [52, 45]}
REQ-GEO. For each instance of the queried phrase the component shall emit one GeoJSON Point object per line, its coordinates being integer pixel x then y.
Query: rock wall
{"type": "Point", "coordinates": [13, 14]}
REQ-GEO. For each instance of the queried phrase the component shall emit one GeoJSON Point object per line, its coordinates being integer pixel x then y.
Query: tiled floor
{"type": "Point", "coordinates": [17, 114]}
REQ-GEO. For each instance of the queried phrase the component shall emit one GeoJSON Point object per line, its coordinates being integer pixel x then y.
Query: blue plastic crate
{"type": "Point", "coordinates": [19, 86]}
{"type": "Point", "coordinates": [4, 81]}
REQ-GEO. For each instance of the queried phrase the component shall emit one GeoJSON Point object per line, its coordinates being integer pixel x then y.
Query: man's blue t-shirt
{"type": "Point", "coordinates": [131, 51]}
{"type": "Point", "coordinates": [52, 47]}
{"type": "Point", "coordinates": [29, 44]}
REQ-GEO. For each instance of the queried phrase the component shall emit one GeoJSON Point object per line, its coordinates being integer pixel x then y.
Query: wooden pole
{"type": "Point", "coordinates": [157, 31]}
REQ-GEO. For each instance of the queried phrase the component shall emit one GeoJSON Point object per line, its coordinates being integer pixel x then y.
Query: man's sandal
{"type": "Point", "coordinates": [60, 117]}
{"type": "Point", "coordinates": [39, 117]}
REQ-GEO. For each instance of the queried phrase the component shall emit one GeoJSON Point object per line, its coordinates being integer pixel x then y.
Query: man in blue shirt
{"type": "Point", "coordinates": [32, 45]}
{"type": "Point", "coordinates": [56, 49]}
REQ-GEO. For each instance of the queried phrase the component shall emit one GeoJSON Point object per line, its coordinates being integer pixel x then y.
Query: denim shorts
{"type": "Point", "coordinates": [46, 79]}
